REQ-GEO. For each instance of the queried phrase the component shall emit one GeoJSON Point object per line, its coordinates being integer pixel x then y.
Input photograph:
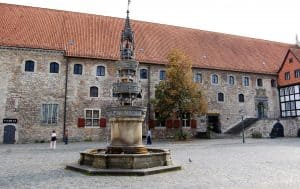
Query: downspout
{"type": "Point", "coordinates": [65, 97]}
{"type": "Point", "coordinates": [149, 87]}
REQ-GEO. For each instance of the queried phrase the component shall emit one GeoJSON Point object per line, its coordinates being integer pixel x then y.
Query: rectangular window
{"type": "Point", "coordinates": [287, 76]}
{"type": "Point", "coordinates": [162, 75]}
{"type": "Point", "coordinates": [198, 78]}
{"type": "Point", "coordinates": [246, 81]}
{"type": "Point", "coordinates": [231, 80]}
{"type": "Point", "coordinates": [92, 117]}
{"type": "Point", "coordinates": [49, 113]}
{"type": "Point", "coordinates": [259, 82]}
{"type": "Point", "coordinates": [297, 73]}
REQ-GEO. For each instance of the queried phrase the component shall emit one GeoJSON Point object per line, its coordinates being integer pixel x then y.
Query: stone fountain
{"type": "Point", "coordinates": [126, 154]}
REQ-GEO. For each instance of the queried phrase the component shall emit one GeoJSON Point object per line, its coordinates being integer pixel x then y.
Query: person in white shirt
{"type": "Point", "coordinates": [53, 140]}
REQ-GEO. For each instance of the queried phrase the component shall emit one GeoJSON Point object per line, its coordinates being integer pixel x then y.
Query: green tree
{"type": "Point", "coordinates": [178, 94]}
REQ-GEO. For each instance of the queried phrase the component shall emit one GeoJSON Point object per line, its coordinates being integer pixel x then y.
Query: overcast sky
{"type": "Point", "coordinates": [275, 20]}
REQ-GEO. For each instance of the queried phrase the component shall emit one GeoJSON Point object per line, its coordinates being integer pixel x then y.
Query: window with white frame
{"type": "Point", "coordinates": [49, 113]}
{"type": "Point", "coordinates": [54, 67]}
{"type": "Point", "coordinates": [220, 97]}
{"type": "Point", "coordinates": [246, 81]}
{"type": "Point", "coordinates": [231, 80]}
{"type": "Point", "coordinates": [198, 78]}
{"type": "Point", "coordinates": [92, 117]}
{"type": "Point", "coordinates": [162, 74]}
{"type": "Point", "coordinates": [29, 66]}
{"type": "Point", "coordinates": [214, 79]}
{"type": "Point", "coordinates": [100, 71]}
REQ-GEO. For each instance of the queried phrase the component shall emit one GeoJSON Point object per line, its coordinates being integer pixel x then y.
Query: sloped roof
{"type": "Point", "coordinates": [95, 36]}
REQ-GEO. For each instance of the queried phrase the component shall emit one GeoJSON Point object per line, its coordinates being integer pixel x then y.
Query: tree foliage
{"type": "Point", "coordinates": [178, 93]}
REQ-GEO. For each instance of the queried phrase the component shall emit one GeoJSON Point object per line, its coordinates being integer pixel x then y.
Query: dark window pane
{"type": "Point", "coordinates": [100, 71]}
{"type": "Point", "coordinates": [29, 66]}
{"type": "Point", "coordinates": [94, 92]}
{"type": "Point", "coordinates": [273, 83]}
{"type": "Point", "coordinates": [198, 78]}
{"type": "Point", "coordinates": [162, 75]}
{"type": "Point", "coordinates": [143, 74]}
{"type": "Point", "coordinates": [220, 97]}
{"type": "Point", "coordinates": [54, 67]}
{"type": "Point", "coordinates": [241, 98]}
{"type": "Point", "coordinates": [246, 81]}
{"type": "Point", "coordinates": [77, 69]}
{"type": "Point", "coordinates": [259, 82]}
{"type": "Point", "coordinates": [214, 79]}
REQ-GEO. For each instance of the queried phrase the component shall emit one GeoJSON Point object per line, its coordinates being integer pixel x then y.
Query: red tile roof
{"type": "Point", "coordinates": [94, 36]}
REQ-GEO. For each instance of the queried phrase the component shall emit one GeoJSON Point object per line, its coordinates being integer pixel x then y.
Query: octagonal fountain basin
{"type": "Point", "coordinates": [98, 162]}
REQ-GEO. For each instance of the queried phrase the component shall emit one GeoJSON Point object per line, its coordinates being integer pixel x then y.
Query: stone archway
{"type": "Point", "coordinates": [277, 130]}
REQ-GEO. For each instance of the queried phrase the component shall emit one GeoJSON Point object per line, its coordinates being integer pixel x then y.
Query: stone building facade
{"type": "Point", "coordinates": [65, 81]}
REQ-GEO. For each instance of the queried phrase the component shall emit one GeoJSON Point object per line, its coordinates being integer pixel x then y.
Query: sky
{"type": "Point", "coordinates": [275, 20]}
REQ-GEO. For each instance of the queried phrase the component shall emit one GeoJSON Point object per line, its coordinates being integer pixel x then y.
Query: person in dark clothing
{"type": "Point", "coordinates": [66, 136]}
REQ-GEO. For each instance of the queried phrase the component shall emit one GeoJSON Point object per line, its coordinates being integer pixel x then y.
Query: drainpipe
{"type": "Point", "coordinates": [149, 105]}
{"type": "Point", "coordinates": [65, 97]}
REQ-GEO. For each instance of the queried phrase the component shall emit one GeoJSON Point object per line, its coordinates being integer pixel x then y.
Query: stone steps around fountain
{"type": "Point", "coordinates": [122, 172]}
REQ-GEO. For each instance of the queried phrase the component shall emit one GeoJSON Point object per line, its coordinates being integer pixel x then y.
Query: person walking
{"type": "Point", "coordinates": [149, 140]}
{"type": "Point", "coordinates": [66, 136]}
{"type": "Point", "coordinates": [53, 140]}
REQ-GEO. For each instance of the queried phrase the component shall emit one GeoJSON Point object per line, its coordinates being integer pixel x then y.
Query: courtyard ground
{"type": "Point", "coordinates": [220, 164]}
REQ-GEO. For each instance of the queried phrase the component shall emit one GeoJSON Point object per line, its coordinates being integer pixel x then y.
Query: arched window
{"type": "Point", "coordinates": [100, 71]}
{"type": "Point", "coordinates": [29, 66]}
{"type": "Point", "coordinates": [214, 79]}
{"type": "Point", "coordinates": [246, 81]}
{"type": "Point", "coordinates": [241, 98]}
{"type": "Point", "coordinates": [198, 78]}
{"type": "Point", "coordinates": [220, 97]}
{"type": "Point", "coordinates": [231, 80]}
{"type": "Point", "coordinates": [77, 69]}
{"type": "Point", "coordinates": [144, 74]}
{"type": "Point", "coordinates": [94, 91]}
{"type": "Point", "coordinates": [162, 75]}
{"type": "Point", "coordinates": [54, 67]}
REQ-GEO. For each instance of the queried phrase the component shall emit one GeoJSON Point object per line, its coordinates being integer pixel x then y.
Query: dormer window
{"type": "Point", "coordinates": [291, 60]}
{"type": "Point", "coordinates": [287, 76]}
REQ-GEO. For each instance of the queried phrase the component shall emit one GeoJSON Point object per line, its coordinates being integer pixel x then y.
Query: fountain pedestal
{"type": "Point", "coordinates": [126, 136]}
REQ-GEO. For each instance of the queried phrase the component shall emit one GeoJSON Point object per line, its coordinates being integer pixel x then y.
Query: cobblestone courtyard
{"type": "Point", "coordinates": [222, 163]}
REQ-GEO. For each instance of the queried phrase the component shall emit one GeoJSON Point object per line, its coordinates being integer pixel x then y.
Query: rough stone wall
{"type": "Point", "coordinates": [27, 91]}
{"type": "Point", "coordinates": [78, 97]}
{"type": "Point", "coordinates": [264, 126]}
{"type": "Point", "coordinates": [229, 109]}
{"type": "Point", "coordinates": [23, 93]}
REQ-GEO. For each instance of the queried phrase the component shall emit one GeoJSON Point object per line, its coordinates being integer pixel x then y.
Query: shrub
{"type": "Point", "coordinates": [256, 134]}
{"type": "Point", "coordinates": [181, 135]}
{"type": "Point", "coordinates": [89, 139]}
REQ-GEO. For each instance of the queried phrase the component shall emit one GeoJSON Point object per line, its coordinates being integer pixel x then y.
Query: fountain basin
{"type": "Point", "coordinates": [97, 161]}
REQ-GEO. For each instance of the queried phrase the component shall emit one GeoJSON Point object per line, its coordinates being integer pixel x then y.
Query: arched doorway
{"type": "Point", "coordinates": [277, 130]}
{"type": "Point", "coordinates": [261, 110]}
{"type": "Point", "coordinates": [9, 134]}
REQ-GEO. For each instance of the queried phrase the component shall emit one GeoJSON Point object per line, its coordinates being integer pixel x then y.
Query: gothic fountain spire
{"type": "Point", "coordinates": [127, 39]}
